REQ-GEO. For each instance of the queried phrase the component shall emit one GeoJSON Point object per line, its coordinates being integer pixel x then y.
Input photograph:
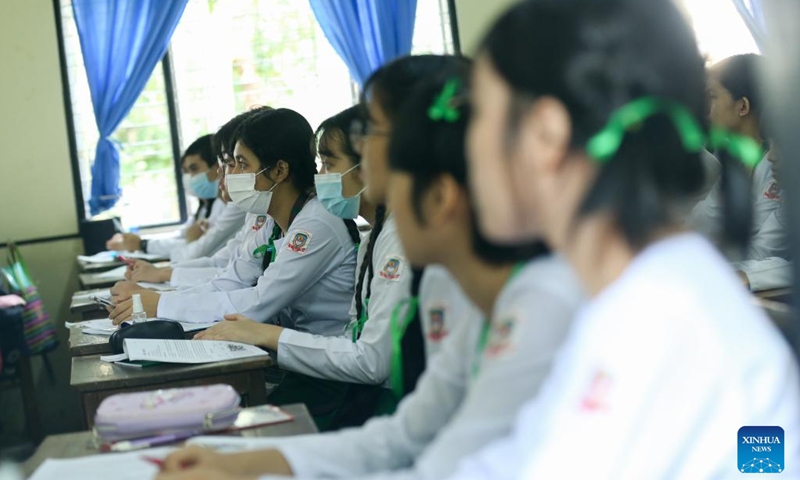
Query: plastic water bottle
{"type": "Point", "coordinates": [139, 315]}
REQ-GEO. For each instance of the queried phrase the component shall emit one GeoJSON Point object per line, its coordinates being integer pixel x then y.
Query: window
{"type": "Point", "coordinates": [226, 56]}
{"type": "Point", "coordinates": [720, 30]}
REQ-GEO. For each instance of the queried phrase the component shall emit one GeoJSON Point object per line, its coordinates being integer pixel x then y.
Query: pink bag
{"type": "Point", "coordinates": [177, 410]}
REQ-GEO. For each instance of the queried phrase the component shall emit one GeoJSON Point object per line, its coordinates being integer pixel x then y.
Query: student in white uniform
{"type": "Point", "coordinates": [768, 267]}
{"type": "Point", "coordinates": [587, 130]}
{"type": "Point", "coordinates": [197, 271]}
{"type": "Point", "coordinates": [214, 223]}
{"type": "Point", "coordinates": [456, 407]}
{"type": "Point", "coordinates": [736, 104]}
{"type": "Point", "coordinates": [305, 282]}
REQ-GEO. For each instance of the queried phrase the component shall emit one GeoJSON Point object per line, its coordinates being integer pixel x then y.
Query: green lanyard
{"type": "Point", "coordinates": [398, 332]}
{"type": "Point", "coordinates": [487, 324]}
{"type": "Point", "coordinates": [358, 326]}
{"type": "Point", "coordinates": [277, 233]}
{"type": "Point", "coordinates": [269, 248]}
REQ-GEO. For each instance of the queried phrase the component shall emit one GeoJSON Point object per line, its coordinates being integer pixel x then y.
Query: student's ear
{"type": "Point", "coordinates": [545, 132]}
{"type": "Point", "coordinates": [280, 172]}
{"type": "Point", "coordinates": [442, 200]}
{"type": "Point", "coordinates": [744, 108]}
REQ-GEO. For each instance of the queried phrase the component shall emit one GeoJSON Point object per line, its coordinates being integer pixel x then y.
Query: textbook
{"type": "Point", "coordinates": [182, 351]}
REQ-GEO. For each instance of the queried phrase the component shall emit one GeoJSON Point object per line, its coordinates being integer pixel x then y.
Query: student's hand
{"type": "Point", "coordinates": [744, 279]}
{"type": "Point", "coordinates": [125, 288]}
{"type": "Point", "coordinates": [124, 242]}
{"type": "Point", "coordinates": [202, 474]}
{"type": "Point", "coordinates": [197, 230]}
{"type": "Point", "coordinates": [238, 328]}
{"type": "Point", "coordinates": [193, 459]}
{"type": "Point", "coordinates": [143, 271]}
{"type": "Point", "coordinates": [123, 308]}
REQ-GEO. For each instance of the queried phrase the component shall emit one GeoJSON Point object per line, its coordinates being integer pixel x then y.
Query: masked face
{"type": "Point", "coordinates": [200, 186]}
{"type": "Point", "coordinates": [329, 193]}
{"type": "Point", "coordinates": [246, 186]}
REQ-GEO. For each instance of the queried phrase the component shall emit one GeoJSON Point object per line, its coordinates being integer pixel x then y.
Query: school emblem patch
{"type": "Point", "coordinates": [392, 268]}
{"type": "Point", "coordinates": [436, 331]}
{"type": "Point", "coordinates": [773, 192]}
{"type": "Point", "coordinates": [261, 220]}
{"type": "Point", "coordinates": [299, 242]}
{"type": "Point", "coordinates": [596, 397]}
{"type": "Point", "coordinates": [500, 339]}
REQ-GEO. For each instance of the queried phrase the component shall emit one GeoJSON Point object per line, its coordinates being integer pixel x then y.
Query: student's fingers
{"type": "Point", "coordinates": [183, 458]}
{"type": "Point", "coordinates": [235, 317]}
{"type": "Point", "coordinates": [129, 274]}
{"type": "Point", "coordinates": [122, 312]}
{"type": "Point", "coordinates": [200, 335]}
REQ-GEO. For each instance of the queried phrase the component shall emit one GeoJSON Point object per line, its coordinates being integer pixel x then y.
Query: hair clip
{"type": "Point", "coordinates": [442, 108]}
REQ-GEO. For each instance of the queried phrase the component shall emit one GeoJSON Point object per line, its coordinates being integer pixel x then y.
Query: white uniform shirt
{"type": "Point", "coordinates": [708, 215]}
{"type": "Point", "coordinates": [165, 243]}
{"type": "Point", "coordinates": [452, 413]}
{"type": "Point", "coordinates": [368, 360]}
{"type": "Point", "coordinates": [201, 270]}
{"type": "Point", "coordinates": [312, 274]}
{"type": "Point", "coordinates": [221, 228]}
{"type": "Point", "coordinates": [660, 371]}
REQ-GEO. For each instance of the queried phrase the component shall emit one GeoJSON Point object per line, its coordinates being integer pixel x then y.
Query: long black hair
{"type": "Point", "coordinates": [221, 141]}
{"type": "Point", "coordinates": [739, 75]}
{"type": "Point", "coordinates": [337, 128]}
{"type": "Point", "coordinates": [202, 147]}
{"type": "Point", "coordinates": [427, 148]}
{"type": "Point", "coordinates": [595, 57]}
{"type": "Point", "coordinates": [281, 134]}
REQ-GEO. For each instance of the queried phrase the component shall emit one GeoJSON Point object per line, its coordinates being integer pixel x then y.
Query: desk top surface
{"type": "Point", "coordinates": [89, 373]}
{"type": "Point", "coordinates": [81, 444]}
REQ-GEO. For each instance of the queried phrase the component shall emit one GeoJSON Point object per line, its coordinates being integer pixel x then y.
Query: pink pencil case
{"type": "Point", "coordinates": [178, 410]}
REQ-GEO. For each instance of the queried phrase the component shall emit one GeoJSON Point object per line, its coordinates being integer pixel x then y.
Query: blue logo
{"type": "Point", "coordinates": [761, 450]}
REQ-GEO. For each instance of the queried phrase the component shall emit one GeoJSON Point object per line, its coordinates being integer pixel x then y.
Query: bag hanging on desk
{"type": "Point", "coordinates": [39, 330]}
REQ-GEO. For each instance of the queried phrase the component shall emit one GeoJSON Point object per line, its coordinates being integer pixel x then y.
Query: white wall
{"type": "Point", "coordinates": [36, 189]}
{"type": "Point", "coordinates": [475, 17]}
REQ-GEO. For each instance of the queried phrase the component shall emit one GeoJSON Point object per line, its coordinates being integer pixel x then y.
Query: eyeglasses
{"type": "Point", "coordinates": [360, 129]}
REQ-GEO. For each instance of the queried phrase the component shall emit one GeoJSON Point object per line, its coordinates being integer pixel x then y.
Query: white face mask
{"type": "Point", "coordinates": [242, 190]}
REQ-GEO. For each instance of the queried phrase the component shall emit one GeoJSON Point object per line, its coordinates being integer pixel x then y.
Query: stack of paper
{"type": "Point", "coordinates": [118, 466]}
{"type": "Point", "coordinates": [115, 274]}
{"type": "Point", "coordinates": [108, 257]}
{"type": "Point", "coordinates": [184, 351]}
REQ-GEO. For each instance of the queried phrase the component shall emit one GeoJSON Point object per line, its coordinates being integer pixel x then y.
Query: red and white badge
{"type": "Point", "coordinates": [299, 241]}
{"type": "Point", "coordinates": [392, 268]}
{"type": "Point", "coordinates": [596, 398]}
{"type": "Point", "coordinates": [501, 338]}
{"type": "Point", "coordinates": [261, 220]}
{"type": "Point", "coordinates": [773, 191]}
{"type": "Point", "coordinates": [436, 329]}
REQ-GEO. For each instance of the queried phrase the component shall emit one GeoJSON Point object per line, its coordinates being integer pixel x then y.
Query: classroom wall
{"type": "Point", "coordinates": [475, 17]}
{"type": "Point", "coordinates": [36, 190]}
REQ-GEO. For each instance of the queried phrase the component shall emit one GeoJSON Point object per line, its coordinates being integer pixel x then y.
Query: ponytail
{"type": "Point", "coordinates": [367, 263]}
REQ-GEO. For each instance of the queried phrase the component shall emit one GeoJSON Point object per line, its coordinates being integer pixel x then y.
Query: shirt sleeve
{"type": "Point", "coordinates": [165, 246]}
{"type": "Point", "coordinates": [221, 228]}
{"type": "Point", "coordinates": [766, 274]}
{"type": "Point", "coordinates": [771, 240]}
{"type": "Point", "coordinates": [183, 277]}
{"type": "Point", "coordinates": [390, 443]}
{"type": "Point", "coordinates": [294, 271]}
{"type": "Point", "coordinates": [368, 359]}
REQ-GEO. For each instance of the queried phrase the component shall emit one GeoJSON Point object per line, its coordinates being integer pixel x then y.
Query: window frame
{"type": "Point", "coordinates": [172, 110]}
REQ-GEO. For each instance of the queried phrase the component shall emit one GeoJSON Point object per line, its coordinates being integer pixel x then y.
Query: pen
{"type": "Point", "coordinates": [101, 301]}
{"type": "Point", "coordinates": [155, 461]}
{"type": "Point", "coordinates": [126, 260]}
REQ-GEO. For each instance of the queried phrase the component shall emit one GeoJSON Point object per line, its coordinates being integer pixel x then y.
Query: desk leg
{"type": "Point", "coordinates": [29, 398]}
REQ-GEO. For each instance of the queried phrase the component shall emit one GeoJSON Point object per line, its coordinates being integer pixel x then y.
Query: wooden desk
{"type": "Point", "coordinates": [96, 380]}
{"type": "Point", "coordinates": [87, 309]}
{"type": "Point", "coordinates": [81, 444]}
{"type": "Point", "coordinates": [100, 280]}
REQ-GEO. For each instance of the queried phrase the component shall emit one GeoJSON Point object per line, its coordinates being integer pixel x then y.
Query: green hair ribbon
{"type": "Point", "coordinates": [605, 144]}
{"type": "Point", "coordinates": [442, 108]}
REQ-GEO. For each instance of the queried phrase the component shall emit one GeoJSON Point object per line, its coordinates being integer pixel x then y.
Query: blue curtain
{"type": "Point", "coordinates": [752, 12]}
{"type": "Point", "coordinates": [122, 42]}
{"type": "Point", "coordinates": [367, 33]}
